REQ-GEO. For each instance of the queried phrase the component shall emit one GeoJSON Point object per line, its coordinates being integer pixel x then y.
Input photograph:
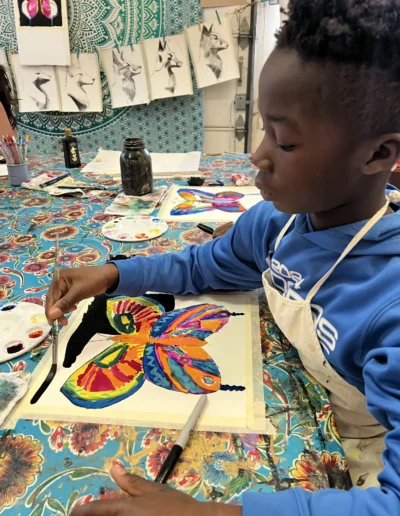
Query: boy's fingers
{"type": "Point", "coordinates": [100, 508]}
{"type": "Point", "coordinates": [132, 484]}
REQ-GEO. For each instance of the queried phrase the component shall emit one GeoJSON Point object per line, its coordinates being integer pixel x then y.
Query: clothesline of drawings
{"type": "Point", "coordinates": [152, 69]}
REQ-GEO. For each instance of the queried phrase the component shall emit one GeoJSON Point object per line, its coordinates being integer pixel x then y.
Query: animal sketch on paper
{"type": "Point", "coordinates": [75, 81]}
{"type": "Point", "coordinates": [124, 74]}
{"type": "Point", "coordinates": [211, 44]}
{"type": "Point", "coordinates": [36, 91]}
{"type": "Point", "coordinates": [40, 13]}
{"type": "Point", "coordinates": [150, 344]}
{"type": "Point", "coordinates": [198, 201]}
{"type": "Point", "coordinates": [166, 62]}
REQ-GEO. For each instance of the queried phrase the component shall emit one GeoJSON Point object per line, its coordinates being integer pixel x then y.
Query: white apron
{"type": "Point", "coordinates": [362, 436]}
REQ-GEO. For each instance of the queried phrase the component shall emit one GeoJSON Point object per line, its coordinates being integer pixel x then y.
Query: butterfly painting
{"type": "Point", "coordinates": [40, 13]}
{"type": "Point", "coordinates": [150, 344]}
{"type": "Point", "coordinates": [199, 201]}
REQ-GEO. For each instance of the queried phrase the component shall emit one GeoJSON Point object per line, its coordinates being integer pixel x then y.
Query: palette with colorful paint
{"type": "Point", "coordinates": [134, 229]}
{"type": "Point", "coordinates": [23, 326]}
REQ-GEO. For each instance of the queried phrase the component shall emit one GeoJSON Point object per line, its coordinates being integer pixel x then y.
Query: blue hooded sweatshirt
{"type": "Point", "coordinates": [358, 312]}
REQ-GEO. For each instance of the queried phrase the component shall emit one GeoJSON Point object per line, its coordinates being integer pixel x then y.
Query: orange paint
{"type": "Point", "coordinates": [35, 334]}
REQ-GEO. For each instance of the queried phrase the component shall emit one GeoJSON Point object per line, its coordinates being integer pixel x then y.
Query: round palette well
{"type": "Point", "coordinates": [23, 326]}
{"type": "Point", "coordinates": [134, 229]}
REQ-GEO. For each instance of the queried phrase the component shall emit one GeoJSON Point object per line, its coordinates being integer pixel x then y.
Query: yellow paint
{"type": "Point", "coordinates": [39, 318]}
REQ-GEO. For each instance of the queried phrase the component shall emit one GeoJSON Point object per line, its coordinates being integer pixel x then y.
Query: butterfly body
{"type": "Point", "coordinates": [31, 8]}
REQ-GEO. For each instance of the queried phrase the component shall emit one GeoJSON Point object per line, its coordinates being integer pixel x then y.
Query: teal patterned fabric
{"type": "Point", "coordinates": [172, 125]}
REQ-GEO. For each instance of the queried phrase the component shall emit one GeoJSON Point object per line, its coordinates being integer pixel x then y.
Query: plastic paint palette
{"type": "Point", "coordinates": [23, 326]}
{"type": "Point", "coordinates": [134, 229]}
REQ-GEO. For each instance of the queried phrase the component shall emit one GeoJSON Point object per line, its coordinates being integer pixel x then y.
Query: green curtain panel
{"type": "Point", "coordinates": [173, 125]}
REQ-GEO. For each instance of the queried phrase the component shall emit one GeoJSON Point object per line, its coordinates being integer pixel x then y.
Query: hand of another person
{"type": "Point", "coordinates": [77, 285]}
{"type": "Point", "coordinates": [222, 230]}
{"type": "Point", "coordinates": [151, 499]}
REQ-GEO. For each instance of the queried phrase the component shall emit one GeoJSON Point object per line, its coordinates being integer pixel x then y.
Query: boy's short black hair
{"type": "Point", "coordinates": [7, 98]}
{"type": "Point", "coordinates": [357, 45]}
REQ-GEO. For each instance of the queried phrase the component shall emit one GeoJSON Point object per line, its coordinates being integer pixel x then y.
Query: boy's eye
{"type": "Point", "coordinates": [286, 148]}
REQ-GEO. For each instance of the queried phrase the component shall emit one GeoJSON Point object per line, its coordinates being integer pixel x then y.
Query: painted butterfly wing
{"type": "Point", "coordinates": [176, 361]}
{"type": "Point", "coordinates": [30, 8]}
{"type": "Point", "coordinates": [133, 315]}
{"type": "Point", "coordinates": [49, 8]}
{"type": "Point", "coordinates": [181, 368]}
{"type": "Point", "coordinates": [228, 201]}
{"type": "Point", "coordinates": [113, 375]}
{"type": "Point", "coordinates": [193, 322]}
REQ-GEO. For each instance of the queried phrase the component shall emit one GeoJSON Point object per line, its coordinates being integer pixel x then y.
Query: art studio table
{"type": "Point", "coordinates": [48, 467]}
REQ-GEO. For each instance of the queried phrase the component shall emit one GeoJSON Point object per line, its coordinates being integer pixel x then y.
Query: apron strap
{"type": "Point", "coordinates": [360, 235]}
{"type": "Point", "coordinates": [284, 231]}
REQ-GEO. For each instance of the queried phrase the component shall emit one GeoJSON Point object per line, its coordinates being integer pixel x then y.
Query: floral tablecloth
{"type": "Point", "coordinates": [48, 468]}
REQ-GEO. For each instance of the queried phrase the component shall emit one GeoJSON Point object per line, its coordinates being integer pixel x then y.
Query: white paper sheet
{"type": "Point", "coordinates": [168, 67]}
{"type": "Point", "coordinates": [37, 86]}
{"type": "Point", "coordinates": [232, 348]}
{"type": "Point", "coordinates": [125, 70]}
{"type": "Point", "coordinates": [80, 85]}
{"type": "Point", "coordinates": [3, 171]}
{"type": "Point", "coordinates": [42, 33]}
{"type": "Point", "coordinates": [213, 53]}
{"type": "Point", "coordinates": [164, 164]}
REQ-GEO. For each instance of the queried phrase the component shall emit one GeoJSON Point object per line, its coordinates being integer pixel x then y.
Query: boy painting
{"type": "Point", "coordinates": [325, 244]}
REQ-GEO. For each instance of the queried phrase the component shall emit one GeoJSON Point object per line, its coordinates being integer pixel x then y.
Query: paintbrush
{"type": "Point", "coordinates": [56, 297]}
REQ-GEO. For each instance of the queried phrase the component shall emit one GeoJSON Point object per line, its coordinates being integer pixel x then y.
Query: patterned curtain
{"type": "Point", "coordinates": [173, 125]}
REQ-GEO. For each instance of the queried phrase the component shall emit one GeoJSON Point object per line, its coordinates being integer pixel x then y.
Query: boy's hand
{"type": "Point", "coordinates": [151, 499]}
{"type": "Point", "coordinates": [77, 285]}
{"type": "Point", "coordinates": [222, 230]}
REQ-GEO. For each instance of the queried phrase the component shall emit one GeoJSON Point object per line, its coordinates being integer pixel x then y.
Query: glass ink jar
{"type": "Point", "coordinates": [136, 169]}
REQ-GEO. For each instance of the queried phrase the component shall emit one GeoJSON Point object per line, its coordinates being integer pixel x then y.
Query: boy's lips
{"type": "Point", "coordinates": [265, 191]}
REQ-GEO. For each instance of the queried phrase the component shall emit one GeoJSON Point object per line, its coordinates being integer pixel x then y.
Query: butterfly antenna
{"type": "Point", "coordinates": [232, 388]}
{"type": "Point", "coordinates": [234, 314]}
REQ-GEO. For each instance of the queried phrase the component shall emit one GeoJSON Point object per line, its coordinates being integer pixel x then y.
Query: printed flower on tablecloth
{"type": "Point", "coordinates": [46, 256]}
{"type": "Point", "coordinates": [75, 249]}
{"type": "Point", "coordinates": [215, 474]}
{"type": "Point", "coordinates": [34, 300]}
{"type": "Point", "coordinates": [35, 201]}
{"type": "Point", "coordinates": [166, 243]}
{"type": "Point", "coordinates": [101, 218]}
{"type": "Point", "coordinates": [110, 495]}
{"type": "Point", "coordinates": [156, 459]}
{"type": "Point", "coordinates": [20, 464]}
{"type": "Point", "coordinates": [37, 268]}
{"type": "Point", "coordinates": [74, 214]}
{"type": "Point", "coordinates": [6, 246]}
{"type": "Point", "coordinates": [5, 281]}
{"type": "Point", "coordinates": [67, 258]}
{"type": "Point", "coordinates": [41, 219]}
{"type": "Point", "coordinates": [83, 500]}
{"type": "Point", "coordinates": [4, 293]}
{"type": "Point", "coordinates": [195, 236]}
{"type": "Point", "coordinates": [87, 258]}
{"type": "Point", "coordinates": [63, 232]}
{"type": "Point", "coordinates": [58, 438]}
{"type": "Point", "coordinates": [19, 366]}
{"type": "Point", "coordinates": [153, 250]}
{"type": "Point", "coordinates": [312, 471]}
{"type": "Point", "coordinates": [4, 259]}
{"type": "Point", "coordinates": [23, 239]}
{"type": "Point", "coordinates": [19, 251]}
{"type": "Point", "coordinates": [87, 438]}
{"type": "Point", "coordinates": [187, 481]}
{"type": "Point", "coordinates": [152, 435]}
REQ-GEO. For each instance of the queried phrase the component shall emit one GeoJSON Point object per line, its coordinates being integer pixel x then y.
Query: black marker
{"type": "Point", "coordinates": [174, 455]}
{"type": "Point", "coordinates": [206, 229]}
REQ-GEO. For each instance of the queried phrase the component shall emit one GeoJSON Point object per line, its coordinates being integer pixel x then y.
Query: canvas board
{"type": "Point", "coordinates": [126, 75]}
{"type": "Point", "coordinates": [213, 53]}
{"type": "Point", "coordinates": [80, 85]}
{"type": "Point", "coordinates": [37, 86]}
{"type": "Point", "coordinates": [42, 32]}
{"type": "Point", "coordinates": [208, 203]}
{"type": "Point", "coordinates": [168, 67]}
{"type": "Point", "coordinates": [235, 348]}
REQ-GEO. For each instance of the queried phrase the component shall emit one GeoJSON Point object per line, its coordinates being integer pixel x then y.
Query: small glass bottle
{"type": "Point", "coordinates": [71, 151]}
{"type": "Point", "coordinates": [136, 169]}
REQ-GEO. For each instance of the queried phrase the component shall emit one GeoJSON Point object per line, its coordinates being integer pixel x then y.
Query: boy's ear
{"type": "Point", "coordinates": [383, 154]}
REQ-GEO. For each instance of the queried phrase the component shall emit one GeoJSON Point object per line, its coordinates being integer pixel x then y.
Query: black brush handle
{"type": "Point", "coordinates": [206, 229]}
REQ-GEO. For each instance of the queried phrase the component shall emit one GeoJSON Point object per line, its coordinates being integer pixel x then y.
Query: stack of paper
{"type": "Point", "coordinates": [164, 165]}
